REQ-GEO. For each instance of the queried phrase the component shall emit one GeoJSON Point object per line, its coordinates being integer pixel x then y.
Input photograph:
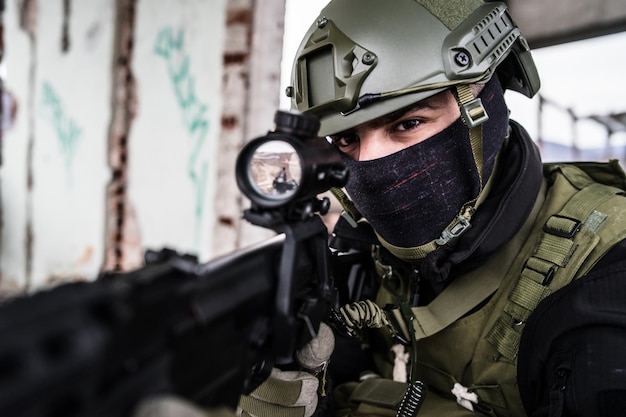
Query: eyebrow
{"type": "Point", "coordinates": [398, 114]}
{"type": "Point", "coordinates": [427, 103]}
{"type": "Point", "coordinates": [430, 103]}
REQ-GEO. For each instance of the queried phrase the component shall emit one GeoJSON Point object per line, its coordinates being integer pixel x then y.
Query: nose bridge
{"type": "Point", "coordinates": [371, 143]}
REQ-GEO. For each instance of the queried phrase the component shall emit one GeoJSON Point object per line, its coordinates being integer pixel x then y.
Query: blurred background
{"type": "Point", "coordinates": [122, 119]}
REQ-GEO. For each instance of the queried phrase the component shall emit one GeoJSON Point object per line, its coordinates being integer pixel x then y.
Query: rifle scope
{"type": "Point", "coordinates": [290, 164]}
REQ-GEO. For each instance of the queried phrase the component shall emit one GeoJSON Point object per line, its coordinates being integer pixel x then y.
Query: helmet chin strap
{"type": "Point", "coordinates": [474, 115]}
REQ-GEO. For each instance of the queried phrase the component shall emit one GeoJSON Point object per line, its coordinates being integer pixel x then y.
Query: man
{"type": "Point", "coordinates": [468, 230]}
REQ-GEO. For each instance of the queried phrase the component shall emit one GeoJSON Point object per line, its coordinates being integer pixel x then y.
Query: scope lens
{"type": "Point", "coordinates": [275, 170]}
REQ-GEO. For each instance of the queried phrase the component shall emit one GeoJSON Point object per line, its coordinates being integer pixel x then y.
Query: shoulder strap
{"type": "Point", "coordinates": [467, 291]}
{"type": "Point", "coordinates": [564, 246]}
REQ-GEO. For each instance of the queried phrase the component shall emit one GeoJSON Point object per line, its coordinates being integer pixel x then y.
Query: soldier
{"type": "Point", "coordinates": [469, 231]}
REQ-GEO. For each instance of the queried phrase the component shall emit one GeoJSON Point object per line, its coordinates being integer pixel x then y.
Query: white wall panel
{"type": "Point", "coordinates": [172, 154]}
{"type": "Point", "coordinates": [62, 117]}
{"type": "Point", "coordinates": [71, 109]}
{"type": "Point", "coordinates": [15, 72]}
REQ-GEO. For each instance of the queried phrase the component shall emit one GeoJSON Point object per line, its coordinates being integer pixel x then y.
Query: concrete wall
{"type": "Point", "coordinates": [121, 122]}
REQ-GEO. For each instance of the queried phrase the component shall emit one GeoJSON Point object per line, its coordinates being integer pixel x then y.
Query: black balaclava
{"type": "Point", "coordinates": [411, 196]}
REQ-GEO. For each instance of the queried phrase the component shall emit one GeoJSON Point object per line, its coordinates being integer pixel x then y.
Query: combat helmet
{"type": "Point", "coordinates": [362, 59]}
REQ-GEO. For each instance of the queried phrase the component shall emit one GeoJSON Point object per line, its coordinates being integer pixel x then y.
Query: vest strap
{"type": "Point", "coordinates": [469, 290]}
{"type": "Point", "coordinates": [570, 232]}
{"type": "Point", "coordinates": [350, 212]}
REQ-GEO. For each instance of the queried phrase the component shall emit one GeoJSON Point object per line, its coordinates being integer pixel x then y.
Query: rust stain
{"type": "Point", "coordinates": [229, 122]}
{"type": "Point", "coordinates": [235, 58]}
{"type": "Point", "coordinates": [86, 256]}
{"type": "Point", "coordinates": [239, 17]}
{"type": "Point", "coordinates": [226, 221]}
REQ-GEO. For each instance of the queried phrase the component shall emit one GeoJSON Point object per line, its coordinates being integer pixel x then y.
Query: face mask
{"type": "Point", "coordinates": [411, 196]}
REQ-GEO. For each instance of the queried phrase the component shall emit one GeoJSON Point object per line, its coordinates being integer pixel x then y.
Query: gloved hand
{"type": "Point", "coordinates": [293, 393]}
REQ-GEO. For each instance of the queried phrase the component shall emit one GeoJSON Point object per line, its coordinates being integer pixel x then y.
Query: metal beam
{"type": "Point", "coordinates": [553, 22]}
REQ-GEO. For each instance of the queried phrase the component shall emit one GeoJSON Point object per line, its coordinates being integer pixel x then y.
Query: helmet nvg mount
{"type": "Point", "coordinates": [363, 59]}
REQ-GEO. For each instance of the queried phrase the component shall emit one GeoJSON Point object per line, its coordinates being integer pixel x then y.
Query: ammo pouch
{"type": "Point", "coordinates": [378, 396]}
{"type": "Point", "coordinates": [380, 392]}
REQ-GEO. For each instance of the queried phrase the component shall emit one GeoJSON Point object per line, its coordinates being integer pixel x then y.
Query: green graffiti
{"type": "Point", "coordinates": [170, 46]}
{"type": "Point", "coordinates": [67, 131]}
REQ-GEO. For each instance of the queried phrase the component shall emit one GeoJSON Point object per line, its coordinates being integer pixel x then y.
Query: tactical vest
{"type": "Point", "coordinates": [579, 216]}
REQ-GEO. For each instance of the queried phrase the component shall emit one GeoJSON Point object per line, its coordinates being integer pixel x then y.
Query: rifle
{"type": "Point", "coordinates": [205, 332]}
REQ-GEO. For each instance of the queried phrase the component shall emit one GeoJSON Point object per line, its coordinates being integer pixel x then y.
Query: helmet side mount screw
{"type": "Point", "coordinates": [289, 91]}
{"type": "Point", "coordinates": [368, 58]}
{"type": "Point", "coordinates": [321, 22]}
{"type": "Point", "coordinates": [462, 58]}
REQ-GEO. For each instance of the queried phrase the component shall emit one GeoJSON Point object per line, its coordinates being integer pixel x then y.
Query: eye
{"type": "Point", "coordinates": [407, 125]}
{"type": "Point", "coordinates": [344, 140]}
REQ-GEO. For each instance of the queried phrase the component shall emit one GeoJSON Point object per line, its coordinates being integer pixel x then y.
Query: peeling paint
{"type": "Point", "coordinates": [28, 16]}
{"type": "Point", "coordinates": [250, 86]}
{"type": "Point", "coordinates": [235, 89]}
{"type": "Point", "coordinates": [122, 244]}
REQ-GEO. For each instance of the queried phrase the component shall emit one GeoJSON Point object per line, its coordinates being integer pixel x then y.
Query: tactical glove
{"type": "Point", "coordinates": [293, 393]}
